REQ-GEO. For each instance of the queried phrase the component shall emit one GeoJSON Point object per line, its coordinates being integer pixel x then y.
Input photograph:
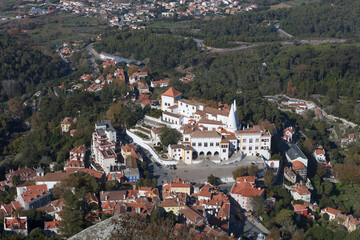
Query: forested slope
{"type": "Point", "coordinates": [163, 51]}
{"type": "Point", "coordinates": [23, 68]}
{"type": "Point", "coordinates": [328, 18]}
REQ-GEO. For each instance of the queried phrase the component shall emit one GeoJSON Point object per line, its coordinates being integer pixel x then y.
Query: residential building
{"type": "Point", "coordinates": [33, 196]}
{"type": "Point", "coordinates": [289, 175]}
{"type": "Point", "coordinates": [243, 190]}
{"type": "Point", "coordinates": [189, 215]}
{"type": "Point", "coordinates": [26, 174]}
{"type": "Point", "coordinates": [288, 134]}
{"type": "Point", "coordinates": [293, 153]}
{"type": "Point", "coordinates": [300, 192]}
{"type": "Point", "coordinates": [51, 228]}
{"type": "Point", "coordinates": [300, 169]}
{"type": "Point", "coordinates": [162, 83]}
{"type": "Point", "coordinates": [172, 205]}
{"type": "Point", "coordinates": [51, 179]}
{"type": "Point", "coordinates": [15, 225]}
{"type": "Point", "coordinates": [103, 146]}
{"type": "Point", "coordinates": [319, 154]}
{"type": "Point", "coordinates": [66, 124]}
{"type": "Point", "coordinates": [176, 186]}
{"type": "Point", "coordinates": [331, 212]}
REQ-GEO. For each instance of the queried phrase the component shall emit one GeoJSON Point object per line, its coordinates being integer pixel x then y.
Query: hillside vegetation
{"type": "Point", "coordinates": [23, 68]}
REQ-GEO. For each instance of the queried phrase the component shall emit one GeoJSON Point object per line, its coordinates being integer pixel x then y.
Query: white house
{"type": "Point", "coordinates": [300, 192]}
{"type": "Point", "coordinates": [169, 98]}
{"type": "Point", "coordinates": [181, 152]}
{"type": "Point", "coordinates": [162, 83]}
{"type": "Point", "coordinates": [319, 154]}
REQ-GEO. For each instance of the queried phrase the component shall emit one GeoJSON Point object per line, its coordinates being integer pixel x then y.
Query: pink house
{"type": "Point", "coordinates": [243, 190]}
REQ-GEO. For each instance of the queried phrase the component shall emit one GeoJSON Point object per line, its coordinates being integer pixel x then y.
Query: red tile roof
{"type": "Point", "coordinates": [246, 189]}
{"type": "Point", "coordinates": [297, 165]}
{"type": "Point", "coordinates": [16, 223]}
{"type": "Point", "coordinates": [171, 92]}
{"type": "Point", "coordinates": [52, 224]}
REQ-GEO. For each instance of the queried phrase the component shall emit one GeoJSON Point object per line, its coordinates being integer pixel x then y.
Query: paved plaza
{"type": "Point", "coordinates": [199, 172]}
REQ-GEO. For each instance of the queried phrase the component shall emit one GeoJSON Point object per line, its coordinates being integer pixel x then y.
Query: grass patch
{"type": "Point", "coordinates": [141, 135]}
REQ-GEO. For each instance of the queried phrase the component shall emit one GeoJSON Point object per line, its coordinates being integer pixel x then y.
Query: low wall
{"type": "Point", "coordinates": [138, 140]}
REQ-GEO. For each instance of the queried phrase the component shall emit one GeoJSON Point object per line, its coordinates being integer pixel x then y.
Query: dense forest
{"type": "Point", "coordinates": [334, 18]}
{"type": "Point", "coordinates": [159, 51]}
{"type": "Point", "coordinates": [300, 71]}
{"type": "Point", "coordinates": [23, 68]}
{"type": "Point", "coordinates": [327, 18]}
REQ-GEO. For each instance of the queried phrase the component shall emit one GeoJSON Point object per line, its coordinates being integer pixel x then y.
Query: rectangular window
{"type": "Point", "coordinates": [224, 150]}
{"type": "Point", "coordinates": [193, 144]}
{"type": "Point", "coordinates": [186, 139]}
{"type": "Point", "coordinates": [250, 148]}
{"type": "Point", "coordinates": [199, 144]}
{"type": "Point", "coordinates": [250, 140]}
{"type": "Point", "coordinates": [256, 148]}
{"type": "Point", "coordinates": [217, 144]}
{"type": "Point", "coordinates": [257, 140]}
{"type": "Point", "coordinates": [244, 148]}
{"type": "Point", "coordinates": [205, 144]}
{"type": "Point", "coordinates": [244, 140]}
{"type": "Point", "coordinates": [211, 144]}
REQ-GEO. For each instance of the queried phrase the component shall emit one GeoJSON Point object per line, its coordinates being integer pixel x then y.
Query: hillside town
{"type": "Point", "coordinates": [135, 15]}
{"type": "Point", "coordinates": [207, 135]}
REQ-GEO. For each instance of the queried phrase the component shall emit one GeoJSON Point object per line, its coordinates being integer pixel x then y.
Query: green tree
{"type": "Point", "coordinates": [16, 180]}
{"type": "Point", "coordinates": [112, 185]}
{"type": "Point", "coordinates": [268, 177]}
{"type": "Point", "coordinates": [169, 136]}
{"type": "Point", "coordinates": [213, 180]}
{"type": "Point", "coordinates": [257, 204]}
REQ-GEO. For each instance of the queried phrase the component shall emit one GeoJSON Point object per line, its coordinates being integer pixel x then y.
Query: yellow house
{"type": "Point", "coordinates": [171, 205]}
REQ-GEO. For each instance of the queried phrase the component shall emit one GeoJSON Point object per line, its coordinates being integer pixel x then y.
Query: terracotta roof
{"type": "Point", "coordinates": [56, 176]}
{"type": "Point", "coordinates": [157, 130]}
{"type": "Point", "coordinates": [16, 222]}
{"type": "Point", "coordinates": [299, 207]}
{"type": "Point", "coordinates": [171, 92]}
{"type": "Point", "coordinates": [191, 214]}
{"type": "Point", "coordinates": [172, 114]}
{"type": "Point", "coordinates": [113, 195]}
{"type": "Point", "coordinates": [95, 174]}
{"type": "Point", "coordinates": [169, 203]}
{"type": "Point", "coordinates": [204, 193]}
{"type": "Point", "coordinates": [297, 165]}
{"type": "Point", "coordinates": [331, 210]}
{"type": "Point", "coordinates": [191, 102]}
{"type": "Point", "coordinates": [33, 192]}
{"type": "Point", "coordinates": [67, 121]}
{"type": "Point", "coordinates": [319, 151]}
{"type": "Point", "coordinates": [52, 224]}
{"type": "Point", "coordinates": [249, 179]}
{"type": "Point", "coordinates": [208, 121]}
{"type": "Point", "coordinates": [205, 134]}
{"type": "Point", "coordinates": [246, 189]}
{"type": "Point", "coordinates": [214, 111]}
{"type": "Point", "coordinates": [301, 190]}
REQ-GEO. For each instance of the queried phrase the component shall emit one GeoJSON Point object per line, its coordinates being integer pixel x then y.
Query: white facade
{"type": "Point", "coordinates": [254, 141]}
{"type": "Point", "coordinates": [103, 147]}
{"type": "Point", "coordinates": [210, 143]}
{"type": "Point", "coordinates": [181, 152]}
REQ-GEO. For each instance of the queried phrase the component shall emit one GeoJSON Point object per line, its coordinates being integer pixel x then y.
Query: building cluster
{"type": "Point", "coordinates": [209, 132]}
{"type": "Point", "coordinates": [134, 15]}
{"type": "Point", "coordinates": [120, 167]}
{"type": "Point", "coordinates": [296, 169]}
{"type": "Point", "coordinates": [68, 49]}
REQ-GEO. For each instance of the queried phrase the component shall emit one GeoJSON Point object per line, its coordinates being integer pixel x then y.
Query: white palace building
{"type": "Point", "coordinates": [210, 132]}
